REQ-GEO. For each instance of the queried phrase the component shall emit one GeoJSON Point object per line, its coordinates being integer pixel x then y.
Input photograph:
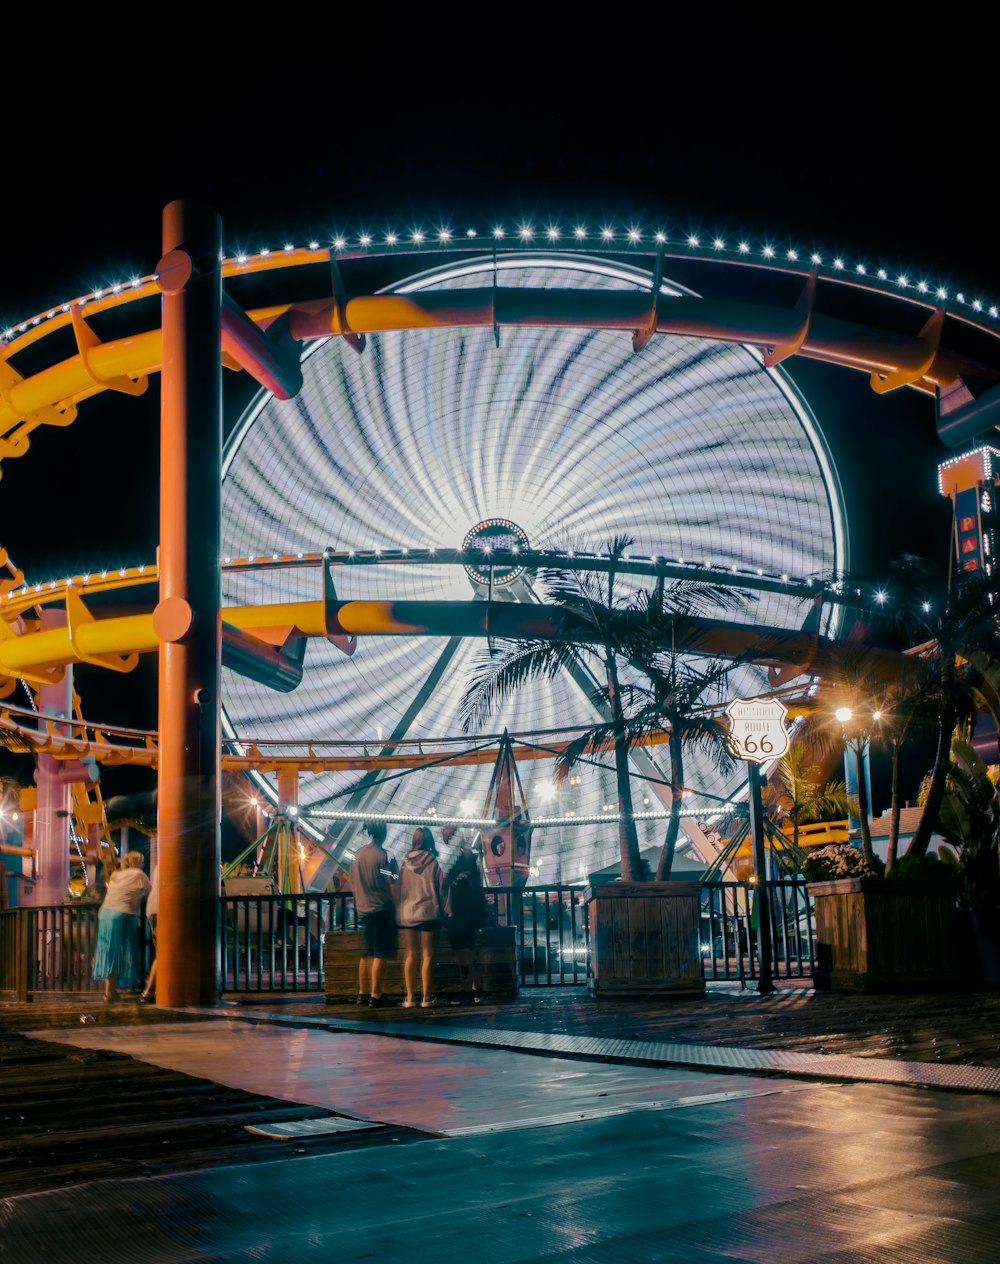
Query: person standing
{"type": "Point", "coordinates": [423, 910]}
{"type": "Point", "coordinates": [118, 959]}
{"type": "Point", "coordinates": [468, 916]}
{"type": "Point", "coordinates": [372, 877]}
{"type": "Point", "coordinates": [148, 993]}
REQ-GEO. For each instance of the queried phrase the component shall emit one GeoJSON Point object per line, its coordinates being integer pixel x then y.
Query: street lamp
{"type": "Point", "coordinates": [857, 741]}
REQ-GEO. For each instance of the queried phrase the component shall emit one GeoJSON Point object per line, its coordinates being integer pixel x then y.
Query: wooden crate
{"type": "Point", "coordinates": [645, 938]}
{"type": "Point", "coordinates": [494, 951]}
{"type": "Point", "coordinates": [886, 935]}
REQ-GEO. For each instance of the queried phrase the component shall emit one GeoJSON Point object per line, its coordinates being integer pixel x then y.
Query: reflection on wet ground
{"type": "Point", "coordinates": [636, 1162]}
{"type": "Point", "coordinates": [414, 1083]}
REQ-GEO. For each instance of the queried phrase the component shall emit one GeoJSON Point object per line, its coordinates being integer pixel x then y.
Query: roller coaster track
{"type": "Point", "coordinates": [50, 390]}
{"type": "Point", "coordinates": [39, 656]}
{"type": "Point", "coordinates": [23, 730]}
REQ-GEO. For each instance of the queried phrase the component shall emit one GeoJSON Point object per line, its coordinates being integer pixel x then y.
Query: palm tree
{"type": "Point", "coordinates": [970, 819]}
{"type": "Point", "coordinates": [673, 700]}
{"type": "Point", "coordinates": [680, 690]}
{"type": "Point", "coordinates": [869, 709]}
{"type": "Point", "coordinates": [619, 632]}
{"type": "Point", "coordinates": [907, 707]}
{"type": "Point", "coordinates": [961, 621]}
{"type": "Point", "coordinates": [802, 794]}
{"type": "Point", "coordinates": [857, 737]}
{"type": "Point", "coordinates": [858, 698]}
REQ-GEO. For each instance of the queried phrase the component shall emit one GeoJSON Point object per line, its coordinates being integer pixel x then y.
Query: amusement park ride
{"type": "Point", "coordinates": [183, 322]}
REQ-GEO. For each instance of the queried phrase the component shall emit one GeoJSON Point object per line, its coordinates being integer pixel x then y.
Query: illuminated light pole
{"type": "Point", "coordinates": [857, 774]}
{"type": "Point", "coordinates": [290, 853]}
{"type": "Point", "coordinates": [187, 619]}
{"type": "Point", "coordinates": [258, 816]}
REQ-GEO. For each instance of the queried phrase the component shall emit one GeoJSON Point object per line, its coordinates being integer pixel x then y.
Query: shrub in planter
{"type": "Point", "coordinates": [838, 860]}
{"type": "Point", "coordinates": [881, 934]}
{"type": "Point", "coordinates": [927, 868]}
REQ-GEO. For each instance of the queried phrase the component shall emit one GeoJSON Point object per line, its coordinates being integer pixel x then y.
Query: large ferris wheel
{"type": "Point", "coordinates": [692, 447]}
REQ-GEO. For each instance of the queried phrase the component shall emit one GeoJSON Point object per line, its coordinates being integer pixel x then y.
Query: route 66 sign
{"type": "Point", "coordinates": [757, 730]}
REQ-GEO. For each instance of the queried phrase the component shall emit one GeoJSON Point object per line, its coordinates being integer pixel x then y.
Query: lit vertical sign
{"type": "Point", "coordinates": [968, 480]}
{"type": "Point", "coordinates": [968, 530]}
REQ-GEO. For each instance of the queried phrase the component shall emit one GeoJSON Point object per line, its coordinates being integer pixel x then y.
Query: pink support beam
{"type": "Point", "coordinates": [52, 811]}
{"type": "Point", "coordinates": [274, 365]}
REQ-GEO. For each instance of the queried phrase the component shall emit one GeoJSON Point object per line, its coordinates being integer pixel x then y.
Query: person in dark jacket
{"type": "Point", "coordinates": [468, 916]}
{"type": "Point", "coordinates": [373, 876]}
{"type": "Point", "coordinates": [423, 909]}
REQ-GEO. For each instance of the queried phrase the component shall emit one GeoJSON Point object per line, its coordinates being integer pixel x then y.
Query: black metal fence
{"type": "Point", "coordinates": [49, 949]}
{"type": "Point", "coordinates": [729, 920]}
{"type": "Point", "coordinates": [552, 932]}
{"type": "Point", "coordinates": [274, 943]}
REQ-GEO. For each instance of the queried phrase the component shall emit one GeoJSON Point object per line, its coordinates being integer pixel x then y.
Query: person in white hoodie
{"type": "Point", "coordinates": [422, 910]}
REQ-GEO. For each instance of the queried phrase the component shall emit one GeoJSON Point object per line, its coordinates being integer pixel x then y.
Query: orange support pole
{"type": "Point", "coordinates": [187, 618]}
{"type": "Point", "coordinates": [288, 805]}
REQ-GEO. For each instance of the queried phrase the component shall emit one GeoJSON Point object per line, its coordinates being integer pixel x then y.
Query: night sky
{"type": "Point", "coordinates": [838, 139]}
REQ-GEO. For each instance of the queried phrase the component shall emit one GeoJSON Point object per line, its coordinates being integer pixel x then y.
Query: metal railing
{"type": "Point", "coordinates": [552, 932]}
{"type": "Point", "coordinates": [729, 912]}
{"type": "Point", "coordinates": [274, 943]}
{"type": "Point", "coordinates": [47, 949]}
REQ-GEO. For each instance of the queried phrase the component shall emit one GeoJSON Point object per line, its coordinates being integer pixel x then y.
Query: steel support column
{"type": "Point", "coordinates": [765, 980]}
{"type": "Point", "coordinates": [187, 617]}
{"type": "Point", "coordinates": [52, 810]}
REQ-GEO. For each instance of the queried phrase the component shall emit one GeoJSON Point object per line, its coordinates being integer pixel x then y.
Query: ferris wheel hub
{"type": "Point", "coordinates": [489, 536]}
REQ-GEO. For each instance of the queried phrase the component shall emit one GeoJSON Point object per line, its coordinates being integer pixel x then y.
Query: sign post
{"type": "Point", "coordinates": [757, 734]}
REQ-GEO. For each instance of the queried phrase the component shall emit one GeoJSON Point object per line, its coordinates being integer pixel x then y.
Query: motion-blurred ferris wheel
{"type": "Point", "coordinates": [563, 436]}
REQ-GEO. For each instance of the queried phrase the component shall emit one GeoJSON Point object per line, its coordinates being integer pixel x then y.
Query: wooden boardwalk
{"type": "Point", "coordinates": [69, 1116]}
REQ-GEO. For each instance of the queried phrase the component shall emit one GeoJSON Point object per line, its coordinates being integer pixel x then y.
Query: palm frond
{"type": "Point", "coordinates": [497, 676]}
{"type": "Point", "coordinates": [675, 598]}
{"type": "Point", "coordinates": [617, 548]}
{"type": "Point", "coordinates": [594, 740]}
{"type": "Point", "coordinates": [708, 734]}
{"type": "Point", "coordinates": [829, 802]}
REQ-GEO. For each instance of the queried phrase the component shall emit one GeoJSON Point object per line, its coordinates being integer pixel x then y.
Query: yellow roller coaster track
{"type": "Point", "coordinates": [50, 395]}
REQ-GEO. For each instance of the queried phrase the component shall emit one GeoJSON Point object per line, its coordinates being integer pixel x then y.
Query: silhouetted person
{"type": "Point", "coordinates": [468, 916]}
{"type": "Point", "coordinates": [372, 877]}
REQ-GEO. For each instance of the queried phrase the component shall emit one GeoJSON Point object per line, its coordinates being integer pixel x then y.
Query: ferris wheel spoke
{"type": "Point", "coordinates": [367, 789]}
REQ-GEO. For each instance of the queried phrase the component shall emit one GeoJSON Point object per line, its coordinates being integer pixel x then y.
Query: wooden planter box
{"type": "Point", "coordinates": [495, 952]}
{"type": "Point", "coordinates": [645, 939]}
{"type": "Point", "coordinates": [886, 935]}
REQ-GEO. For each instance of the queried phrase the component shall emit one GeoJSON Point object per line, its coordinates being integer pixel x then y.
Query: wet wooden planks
{"type": "Point", "coordinates": [69, 1116]}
